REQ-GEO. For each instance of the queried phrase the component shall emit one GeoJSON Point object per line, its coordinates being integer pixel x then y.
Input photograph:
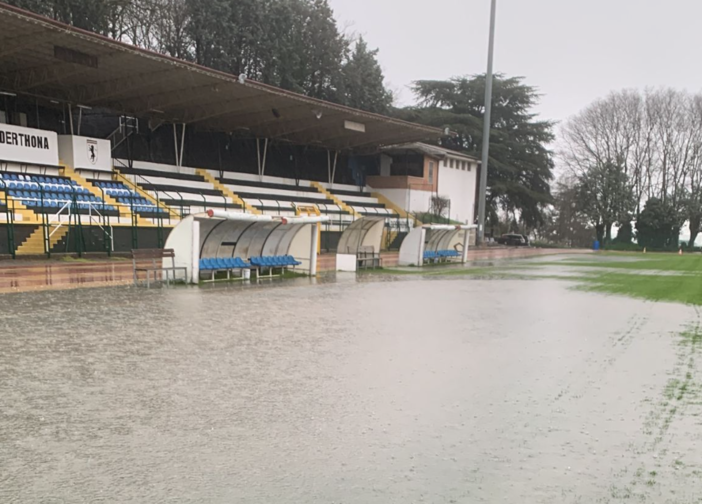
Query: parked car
{"type": "Point", "coordinates": [513, 240]}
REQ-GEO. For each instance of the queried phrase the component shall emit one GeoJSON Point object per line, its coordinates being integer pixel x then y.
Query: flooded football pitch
{"type": "Point", "coordinates": [380, 389]}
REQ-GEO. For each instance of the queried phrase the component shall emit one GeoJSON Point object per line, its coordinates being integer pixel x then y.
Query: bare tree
{"type": "Point", "coordinates": [439, 205]}
{"type": "Point", "coordinates": [604, 148]}
{"type": "Point", "coordinates": [653, 138]}
{"type": "Point", "coordinates": [693, 188]}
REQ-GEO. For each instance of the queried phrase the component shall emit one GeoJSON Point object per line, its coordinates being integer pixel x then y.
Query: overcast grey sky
{"type": "Point", "coordinates": [572, 50]}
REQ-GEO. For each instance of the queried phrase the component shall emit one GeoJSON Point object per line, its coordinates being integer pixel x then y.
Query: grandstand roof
{"type": "Point", "coordinates": [429, 150]}
{"type": "Point", "coordinates": [48, 59]}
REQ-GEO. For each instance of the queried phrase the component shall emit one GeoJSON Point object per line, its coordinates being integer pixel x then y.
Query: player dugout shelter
{"type": "Point", "coordinates": [360, 243]}
{"type": "Point", "coordinates": [223, 234]}
{"type": "Point", "coordinates": [433, 240]}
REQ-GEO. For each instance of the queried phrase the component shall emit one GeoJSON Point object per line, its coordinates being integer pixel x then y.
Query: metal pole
{"type": "Point", "coordinates": [175, 144]}
{"type": "Point", "coordinates": [486, 127]}
{"type": "Point", "coordinates": [182, 144]}
{"type": "Point", "coordinates": [70, 117]}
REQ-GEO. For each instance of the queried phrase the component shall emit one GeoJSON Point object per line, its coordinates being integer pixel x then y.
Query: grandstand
{"type": "Point", "coordinates": [106, 147]}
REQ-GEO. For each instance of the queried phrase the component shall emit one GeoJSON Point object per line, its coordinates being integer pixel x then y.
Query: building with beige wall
{"type": "Point", "coordinates": [411, 174]}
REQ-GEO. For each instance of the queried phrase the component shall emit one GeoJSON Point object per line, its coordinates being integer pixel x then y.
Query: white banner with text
{"type": "Point", "coordinates": [28, 145]}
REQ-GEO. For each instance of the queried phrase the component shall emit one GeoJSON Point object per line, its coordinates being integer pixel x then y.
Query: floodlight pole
{"type": "Point", "coordinates": [486, 128]}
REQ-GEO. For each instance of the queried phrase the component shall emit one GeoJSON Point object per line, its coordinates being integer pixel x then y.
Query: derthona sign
{"type": "Point", "coordinates": [28, 145]}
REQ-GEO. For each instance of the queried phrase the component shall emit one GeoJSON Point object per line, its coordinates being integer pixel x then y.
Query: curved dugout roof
{"type": "Point", "coordinates": [365, 232]}
{"type": "Point", "coordinates": [230, 234]}
{"type": "Point", "coordinates": [433, 237]}
{"type": "Point", "coordinates": [48, 59]}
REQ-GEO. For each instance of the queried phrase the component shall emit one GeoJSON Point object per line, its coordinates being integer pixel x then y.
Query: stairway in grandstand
{"type": "Point", "coordinates": [182, 189]}
{"type": "Point", "coordinates": [359, 200]}
{"type": "Point", "coordinates": [34, 244]}
{"type": "Point", "coordinates": [276, 195]}
{"type": "Point", "coordinates": [227, 192]}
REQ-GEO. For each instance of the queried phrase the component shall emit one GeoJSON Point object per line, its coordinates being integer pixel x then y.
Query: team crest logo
{"type": "Point", "coordinates": [92, 151]}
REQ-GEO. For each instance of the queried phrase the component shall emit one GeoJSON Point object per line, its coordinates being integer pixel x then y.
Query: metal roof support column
{"type": "Point", "coordinates": [261, 163]}
{"type": "Point", "coordinates": [182, 145]}
{"type": "Point", "coordinates": [175, 143]}
{"type": "Point", "coordinates": [179, 148]}
{"type": "Point", "coordinates": [331, 168]}
{"type": "Point", "coordinates": [70, 117]}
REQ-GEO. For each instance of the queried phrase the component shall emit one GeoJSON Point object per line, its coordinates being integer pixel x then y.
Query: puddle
{"type": "Point", "coordinates": [373, 391]}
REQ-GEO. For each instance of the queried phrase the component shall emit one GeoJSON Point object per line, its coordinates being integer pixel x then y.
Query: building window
{"type": "Point", "coordinates": [22, 119]}
{"type": "Point", "coordinates": [452, 163]}
{"type": "Point", "coordinates": [3, 117]}
{"type": "Point", "coordinates": [431, 172]}
{"type": "Point", "coordinates": [469, 166]}
{"type": "Point", "coordinates": [463, 165]}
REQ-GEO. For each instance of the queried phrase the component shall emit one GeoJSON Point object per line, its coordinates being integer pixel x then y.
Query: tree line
{"type": "Point", "coordinates": [636, 157]}
{"type": "Point", "coordinates": [292, 44]}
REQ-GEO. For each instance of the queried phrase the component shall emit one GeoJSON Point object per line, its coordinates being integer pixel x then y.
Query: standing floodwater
{"type": "Point", "coordinates": [445, 390]}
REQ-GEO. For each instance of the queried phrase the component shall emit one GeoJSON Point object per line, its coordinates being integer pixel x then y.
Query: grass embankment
{"type": "Point", "coordinates": [659, 277]}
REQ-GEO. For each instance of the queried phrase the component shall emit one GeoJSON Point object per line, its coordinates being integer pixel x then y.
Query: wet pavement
{"type": "Point", "coordinates": [25, 275]}
{"type": "Point", "coordinates": [22, 276]}
{"type": "Point", "coordinates": [378, 390]}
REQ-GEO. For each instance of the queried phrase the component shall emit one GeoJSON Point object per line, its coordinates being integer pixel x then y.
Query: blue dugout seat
{"type": "Point", "coordinates": [223, 263]}
{"type": "Point", "coordinates": [440, 254]}
{"type": "Point", "coordinates": [275, 261]}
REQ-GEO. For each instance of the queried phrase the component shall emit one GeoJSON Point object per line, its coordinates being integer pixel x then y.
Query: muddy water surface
{"type": "Point", "coordinates": [385, 391]}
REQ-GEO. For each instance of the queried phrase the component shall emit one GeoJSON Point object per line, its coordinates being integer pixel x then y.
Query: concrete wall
{"type": "Point", "coordinates": [459, 185]}
{"type": "Point", "coordinates": [409, 200]}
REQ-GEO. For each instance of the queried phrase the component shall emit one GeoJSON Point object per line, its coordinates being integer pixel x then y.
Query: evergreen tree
{"type": "Point", "coordinates": [658, 225]}
{"type": "Point", "coordinates": [520, 165]}
{"type": "Point", "coordinates": [606, 196]}
{"type": "Point", "coordinates": [363, 85]}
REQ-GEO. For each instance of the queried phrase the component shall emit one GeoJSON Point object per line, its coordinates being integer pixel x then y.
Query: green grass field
{"type": "Point", "coordinates": [656, 277]}
{"type": "Point", "coordinates": [637, 261]}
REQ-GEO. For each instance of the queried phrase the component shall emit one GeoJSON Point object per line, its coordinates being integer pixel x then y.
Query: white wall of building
{"type": "Point", "coordinates": [408, 200]}
{"type": "Point", "coordinates": [458, 184]}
